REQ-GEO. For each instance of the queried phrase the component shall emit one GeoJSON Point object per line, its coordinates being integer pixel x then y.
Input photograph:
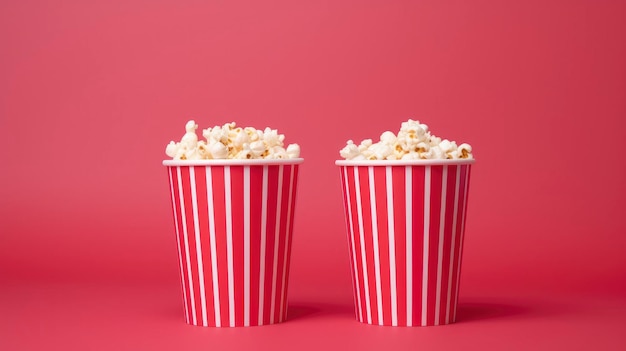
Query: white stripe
{"type": "Point", "coordinates": [263, 243]}
{"type": "Point", "coordinates": [246, 246]}
{"type": "Point", "coordinates": [379, 293]}
{"type": "Point", "coordinates": [196, 224]}
{"type": "Point", "coordinates": [408, 181]}
{"type": "Point", "coordinates": [392, 248]}
{"type": "Point", "coordinates": [442, 223]}
{"type": "Point", "coordinates": [180, 256]}
{"type": "Point", "coordinates": [458, 270]}
{"type": "Point", "coordinates": [185, 235]}
{"type": "Point", "coordinates": [357, 187]}
{"type": "Point", "coordinates": [426, 244]}
{"type": "Point", "coordinates": [451, 269]}
{"type": "Point", "coordinates": [229, 247]}
{"type": "Point", "coordinates": [214, 272]}
{"type": "Point", "coordinates": [355, 271]}
{"type": "Point", "coordinates": [276, 240]}
{"type": "Point", "coordinates": [283, 292]}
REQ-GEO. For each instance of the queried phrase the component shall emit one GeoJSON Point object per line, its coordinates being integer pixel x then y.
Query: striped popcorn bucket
{"type": "Point", "coordinates": [233, 221]}
{"type": "Point", "coordinates": [405, 224]}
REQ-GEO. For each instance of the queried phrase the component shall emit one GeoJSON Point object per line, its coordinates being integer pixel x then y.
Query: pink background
{"type": "Point", "coordinates": [91, 92]}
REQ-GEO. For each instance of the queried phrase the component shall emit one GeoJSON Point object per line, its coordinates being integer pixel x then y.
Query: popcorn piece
{"type": "Point", "coordinates": [277, 152]}
{"type": "Point", "coordinates": [413, 141]}
{"type": "Point", "coordinates": [465, 151]}
{"type": "Point", "coordinates": [437, 153]}
{"type": "Point", "coordinates": [218, 150]}
{"type": "Point", "coordinates": [350, 151]}
{"type": "Point", "coordinates": [293, 151]}
{"type": "Point", "coordinates": [257, 148]}
{"type": "Point", "coordinates": [190, 139]}
{"type": "Point", "coordinates": [229, 141]}
{"type": "Point", "coordinates": [365, 144]}
{"type": "Point", "coordinates": [388, 137]}
{"type": "Point", "coordinates": [381, 150]}
{"type": "Point", "coordinates": [411, 156]}
{"type": "Point", "coordinates": [171, 149]}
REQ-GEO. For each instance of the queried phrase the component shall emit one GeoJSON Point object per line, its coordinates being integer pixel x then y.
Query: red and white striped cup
{"type": "Point", "coordinates": [405, 223]}
{"type": "Point", "coordinates": [234, 222]}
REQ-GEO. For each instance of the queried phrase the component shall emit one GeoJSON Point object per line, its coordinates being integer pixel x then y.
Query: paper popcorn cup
{"type": "Point", "coordinates": [405, 223]}
{"type": "Point", "coordinates": [234, 222]}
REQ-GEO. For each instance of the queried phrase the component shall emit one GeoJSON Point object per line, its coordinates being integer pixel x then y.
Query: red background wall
{"type": "Point", "coordinates": [91, 92]}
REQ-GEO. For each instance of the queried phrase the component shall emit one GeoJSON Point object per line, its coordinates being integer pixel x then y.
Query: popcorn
{"type": "Point", "coordinates": [293, 151]}
{"type": "Point", "coordinates": [217, 150]}
{"type": "Point", "coordinates": [350, 151]}
{"type": "Point", "coordinates": [231, 142]}
{"type": "Point", "coordinates": [413, 142]}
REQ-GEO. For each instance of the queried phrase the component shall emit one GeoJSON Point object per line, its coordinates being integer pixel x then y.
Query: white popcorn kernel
{"type": "Point", "coordinates": [180, 154]}
{"type": "Point", "coordinates": [203, 151]}
{"type": "Point", "coordinates": [218, 150]}
{"type": "Point", "coordinates": [365, 144]}
{"type": "Point", "coordinates": [388, 137]}
{"type": "Point", "coordinates": [399, 153]}
{"type": "Point", "coordinates": [422, 147]}
{"type": "Point", "coordinates": [293, 150]}
{"type": "Point", "coordinates": [245, 153]}
{"type": "Point", "coordinates": [428, 154]}
{"type": "Point", "coordinates": [206, 133]}
{"type": "Point", "coordinates": [465, 151]}
{"type": "Point", "coordinates": [191, 126]}
{"type": "Point", "coordinates": [252, 134]}
{"type": "Point", "coordinates": [277, 152]}
{"type": "Point", "coordinates": [257, 148]}
{"type": "Point", "coordinates": [454, 154]}
{"type": "Point", "coordinates": [171, 149]}
{"type": "Point", "coordinates": [368, 155]}
{"type": "Point", "coordinates": [216, 134]}
{"type": "Point", "coordinates": [437, 153]}
{"type": "Point", "coordinates": [381, 151]}
{"type": "Point", "coordinates": [446, 146]}
{"type": "Point", "coordinates": [272, 138]}
{"type": "Point", "coordinates": [190, 139]}
{"type": "Point", "coordinates": [411, 156]}
{"type": "Point", "coordinates": [349, 151]}
{"type": "Point", "coordinates": [240, 138]}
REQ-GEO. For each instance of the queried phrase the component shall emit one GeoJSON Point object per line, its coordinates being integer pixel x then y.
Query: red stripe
{"type": "Point", "coordinates": [272, 197]}
{"type": "Point", "coordinates": [282, 241]}
{"type": "Point", "coordinates": [181, 243]}
{"type": "Point", "coordinates": [347, 209]}
{"type": "Point", "coordinates": [236, 181]}
{"type": "Point", "coordinates": [418, 241]}
{"type": "Point", "coordinates": [366, 207]}
{"type": "Point", "coordinates": [447, 244]}
{"type": "Point", "coordinates": [357, 241]}
{"type": "Point", "coordinates": [380, 187]}
{"type": "Point", "coordinates": [205, 239]}
{"type": "Point", "coordinates": [256, 205]}
{"type": "Point", "coordinates": [458, 242]}
{"type": "Point", "coordinates": [290, 235]}
{"type": "Point", "coordinates": [399, 208]}
{"type": "Point", "coordinates": [191, 238]}
{"type": "Point", "coordinates": [433, 247]}
{"type": "Point", "coordinates": [464, 218]}
{"type": "Point", "coordinates": [219, 203]}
